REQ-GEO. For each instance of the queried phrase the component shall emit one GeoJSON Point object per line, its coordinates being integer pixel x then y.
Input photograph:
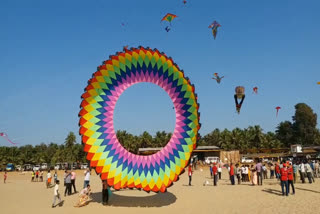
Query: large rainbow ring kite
{"type": "Point", "coordinates": [119, 167]}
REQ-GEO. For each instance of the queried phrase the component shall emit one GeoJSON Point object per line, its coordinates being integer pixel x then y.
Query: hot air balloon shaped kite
{"type": "Point", "coordinates": [318, 83]}
{"type": "Point", "coordinates": [278, 108]}
{"type": "Point", "coordinates": [5, 136]}
{"type": "Point", "coordinates": [217, 78]}
{"type": "Point", "coordinates": [255, 90]}
{"type": "Point", "coordinates": [239, 96]}
{"type": "Point", "coordinates": [214, 26]}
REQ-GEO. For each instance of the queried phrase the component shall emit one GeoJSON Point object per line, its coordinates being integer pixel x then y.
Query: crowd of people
{"type": "Point", "coordinates": [284, 172]}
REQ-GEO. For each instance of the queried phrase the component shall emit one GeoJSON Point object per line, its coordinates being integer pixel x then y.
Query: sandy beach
{"type": "Point", "coordinates": [20, 195]}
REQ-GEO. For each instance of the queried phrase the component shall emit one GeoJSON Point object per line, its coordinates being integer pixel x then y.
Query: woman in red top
{"type": "Point", "coordinates": [290, 179]}
{"type": "Point", "coordinates": [190, 173]}
{"type": "Point", "coordinates": [284, 179]}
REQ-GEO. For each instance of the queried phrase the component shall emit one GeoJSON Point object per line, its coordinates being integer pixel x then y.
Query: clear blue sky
{"type": "Point", "coordinates": [49, 49]}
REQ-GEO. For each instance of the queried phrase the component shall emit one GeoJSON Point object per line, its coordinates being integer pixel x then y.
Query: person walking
{"type": "Point", "coordinates": [105, 193]}
{"type": "Point", "coordinates": [190, 173]}
{"type": "Point", "coordinates": [215, 174]}
{"type": "Point", "coordinates": [258, 169]}
{"type": "Point", "coordinates": [290, 179]}
{"type": "Point", "coordinates": [86, 178]}
{"type": "Point", "coordinates": [56, 194]}
{"type": "Point", "coordinates": [284, 179]}
{"type": "Point", "coordinates": [73, 181]}
{"type": "Point", "coordinates": [68, 184]}
{"type": "Point", "coordinates": [231, 173]}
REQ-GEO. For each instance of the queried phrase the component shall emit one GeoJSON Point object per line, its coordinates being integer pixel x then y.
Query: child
{"type": "Point", "coordinates": [37, 175]}
{"type": "Point", "coordinates": [49, 179]}
{"type": "Point", "coordinates": [5, 176]}
{"type": "Point", "coordinates": [84, 196]}
{"type": "Point", "coordinates": [105, 196]}
{"type": "Point", "coordinates": [32, 176]}
{"type": "Point", "coordinates": [41, 176]}
{"type": "Point", "coordinates": [55, 176]}
{"type": "Point", "coordinates": [56, 194]}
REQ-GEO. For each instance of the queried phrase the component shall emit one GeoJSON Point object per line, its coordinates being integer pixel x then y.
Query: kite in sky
{"type": "Point", "coordinates": [167, 29]}
{"type": "Point", "coordinates": [5, 136]}
{"type": "Point", "coordinates": [214, 26]}
{"type": "Point", "coordinates": [169, 17]}
{"type": "Point", "coordinates": [255, 90]}
{"type": "Point", "coordinates": [278, 108]}
{"type": "Point", "coordinates": [318, 83]}
{"type": "Point", "coordinates": [184, 2]}
{"type": "Point", "coordinates": [239, 96]}
{"type": "Point", "coordinates": [217, 78]}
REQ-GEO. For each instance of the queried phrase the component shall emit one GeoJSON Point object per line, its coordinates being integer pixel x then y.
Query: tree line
{"type": "Point", "coordinates": [301, 130]}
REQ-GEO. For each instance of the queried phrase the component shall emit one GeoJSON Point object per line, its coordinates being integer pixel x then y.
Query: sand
{"type": "Point", "coordinates": [19, 195]}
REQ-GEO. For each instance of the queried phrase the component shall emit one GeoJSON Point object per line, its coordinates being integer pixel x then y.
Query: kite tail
{"type": "Point", "coordinates": [10, 141]}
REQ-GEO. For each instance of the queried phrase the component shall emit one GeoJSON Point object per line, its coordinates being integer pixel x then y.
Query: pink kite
{"type": "Point", "coordinates": [278, 108]}
{"type": "Point", "coordinates": [5, 136]}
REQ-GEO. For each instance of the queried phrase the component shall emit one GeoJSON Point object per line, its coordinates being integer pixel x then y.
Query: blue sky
{"type": "Point", "coordinates": [49, 49]}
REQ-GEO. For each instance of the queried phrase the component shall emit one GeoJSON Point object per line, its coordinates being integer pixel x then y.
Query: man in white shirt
{"type": "Point", "coordinates": [302, 172]}
{"type": "Point", "coordinates": [56, 194]}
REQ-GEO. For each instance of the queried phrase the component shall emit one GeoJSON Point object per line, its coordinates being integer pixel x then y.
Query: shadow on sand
{"type": "Point", "coordinates": [157, 200]}
{"type": "Point", "coordinates": [273, 191]}
{"type": "Point", "coordinates": [309, 190]}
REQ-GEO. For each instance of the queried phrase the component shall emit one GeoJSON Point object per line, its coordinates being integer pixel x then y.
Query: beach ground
{"type": "Point", "coordinates": [20, 195]}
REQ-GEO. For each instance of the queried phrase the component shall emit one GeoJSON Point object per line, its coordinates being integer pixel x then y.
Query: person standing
{"type": "Point", "coordinates": [41, 176]}
{"type": "Point", "coordinates": [316, 169]}
{"type": "Point", "coordinates": [55, 176]}
{"type": "Point", "coordinates": [277, 168]}
{"type": "Point", "coordinates": [238, 172]}
{"type": "Point", "coordinates": [231, 173]}
{"type": "Point", "coordinates": [219, 170]}
{"type": "Point", "coordinates": [68, 184]}
{"type": "Point", "coordinates": [215, 174]}
{"type": "Point", "coordinates": [56, 194]}
{"type": "Point", "coordinates": [32, 176]}
{"type": "Point", "coordinates": [48, 182]}
{"type": "Point", "coordinates": [258, 169]}
{"type": "Point", "coordinates": [271, 171]}
{"type": "Point", "coordinates": [86, 178]}
{"type": "Point", "coordinates": [73, 181]}
{"type": "Point", "coordinates": [265, 172]}
{"type": "Point", "coordinates": [309, 172]}
{"type": "Point", "coordinates": [302, 172]}
{"type": "Point", "coordinates": [105, 193]}
{"type": "Point", "coordinates": [210, 167]}
{"type": "Point", "coordinates": [284, 179]}
{"type": "Point", "coordinates": [290, 179]}
{"type": "Point", "coordinates": [246, 175]}
{"type": "Point", "coordinates": [5, 176]}
{"type": "Point", "coordinates": [190, 173]}
{"type": "Point", "coordinates": [37, 175]}
{"type": "Point", "coordinates": [294, 169]}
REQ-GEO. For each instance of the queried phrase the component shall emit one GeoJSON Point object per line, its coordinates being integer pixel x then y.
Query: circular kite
{"type": "Point", "coordinates": [118, 166]}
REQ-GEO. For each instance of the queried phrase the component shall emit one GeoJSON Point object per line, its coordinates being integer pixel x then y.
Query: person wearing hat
{"type": "Point", "coordinates": [215, 174]}
{"type": "Point", "coordinates": [284, 179]}
{"type": "Point", "coordinates": [290, 178]}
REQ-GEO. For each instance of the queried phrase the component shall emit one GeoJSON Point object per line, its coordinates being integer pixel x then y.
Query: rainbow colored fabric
{"type": "Point", "coordinates": [119, 167]}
